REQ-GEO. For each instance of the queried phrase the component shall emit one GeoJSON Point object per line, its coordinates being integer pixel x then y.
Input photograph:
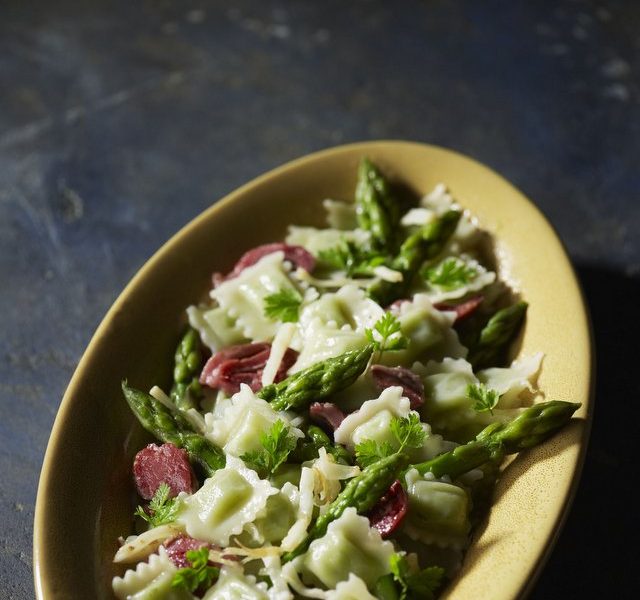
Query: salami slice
{"type": "Point", "coordinates": [463, 310]}
{"type": "Point", "coordinates": [167, 463]}
{"type": "Point", "coordinates": [243, 363]}
{"type": "Point", "coordinates": [326, 413]}
{"type": "Point", "coordinates": [387, 515]}
{"type": "Point", "coordinates": [178, 547]}
{"type": "Point", "coordinates": [296, 255]}
{"type": "Point", "coordinates": [410, 383]}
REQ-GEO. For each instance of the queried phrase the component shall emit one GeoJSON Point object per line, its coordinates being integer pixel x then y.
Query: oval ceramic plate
{"type": "Point", "coordinates": [85, 495]}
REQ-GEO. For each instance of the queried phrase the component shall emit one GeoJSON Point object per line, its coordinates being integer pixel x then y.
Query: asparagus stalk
{"type": "Point", "coordinates": [422, 245]}
{"type": "Point", "coordinates": [377, 211]}
{"type": "Point", "coordinates": [529, 428]}
{"type": "Point", "coordinates": [496, 336]}
{"type": "Point", "coordinates": [316, 439]}
{"type": "Point", "coordinates": [386, 588]}
{"type": "Point", "coordinates": [317, 381]}
{"type": "Point", "coordinates": [172, 427]}
{"type": "Point", "coordinates": [362, 492]}
{"type": "Point", "coordinates": [188, 363]}
{"type": "Point", "coordinates": [428, 242]}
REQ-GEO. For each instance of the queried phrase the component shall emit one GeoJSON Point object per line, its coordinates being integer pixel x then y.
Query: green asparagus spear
{"type": "Point", "coordinates": [428, 242]}
{"type": "Point", "coordinates": [386, 588]}
{"type": "Point", "coordinates": [203, 452]}
{"type": "Point", "coordinates": [422, 245]}
{"type": "Point", "coordinates": [188, 362]}
{"type": "Point", "coordinates": [317, 381]}
{"type": "Point", "coordinates": [172, 427]}
{"type": "Point", "coordinates": [362, 492]}
{"type": "Point", "coordinates": [496, 336]}
{"type": "Point", "coordinates": [529, 428]}
{"type": "Point", "coordinates": [308, 447]}
{"type": "Point", "coordinates": [377, 211]}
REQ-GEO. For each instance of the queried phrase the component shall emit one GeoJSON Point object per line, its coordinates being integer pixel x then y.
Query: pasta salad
{"type": "Point", "coordinates": [340, 408]}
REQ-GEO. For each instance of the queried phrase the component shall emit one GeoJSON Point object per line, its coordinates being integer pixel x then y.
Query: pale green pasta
{"type": "Point", "coordinates": [279, 519]}
{"type": "Point", "coordinates": [350, 546]}
{"type": "Point", "coordinates": [316, 240]}
{"type": "Point", "coordinates": [216, 327]}
{"type": "Point", "coordinates": [429, 331]}
{"type": "Point", "coordinates": [242, 298]}
{"type": "Point", "coordinates": [438, 512]}
{"type": "Point", "coordinates": [238, 428]}
{"type": "Point", "coordinates": [234, 585]}
{"type": "Point", "coordinates": [227, 501]}
{"type": "Point", "coordinates": [148, 580]}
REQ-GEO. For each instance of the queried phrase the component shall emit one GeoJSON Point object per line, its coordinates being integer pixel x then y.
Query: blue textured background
{"type": "Point", "coordinates": [120, 121]}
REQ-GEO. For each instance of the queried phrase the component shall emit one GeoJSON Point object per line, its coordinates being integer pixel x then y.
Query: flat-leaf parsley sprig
{"type": "Point", "coordinates": [277, 443]}
{"type": "Point", "coordinates": [450, 274]}
{"type": "Point", "coordinates": [199, 575]}
{"type": "Point", "coordinates": [407, 431]}
{"type": "Point", "coordinates": [162, 509]}
{"type": "Point", "coordinates": [484, 399]}
{"type": "Point", "coordinates": [404, 583]}
{"type": "Point", "coordinates": [347, 256]}
{"type": "Point", "coordinates": [283, 305]}
{"type": "Point", "coordinates": [386, 334]}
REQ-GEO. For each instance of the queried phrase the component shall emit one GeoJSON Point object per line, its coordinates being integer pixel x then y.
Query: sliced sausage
{"type": "Point", "coordinates": [410, 383]}
{"type": "Point", "coordinates": [296, 255]}
{"type": "Point", "coordinates": [326, 413]}
{"type": "Point", "coordinates": [243, 363]}
{"type": "Point", "coordinates": [167, 463]}
{"type": "Point", "coordinates": [463, 310]}
{"type": "Point", "coordinates": [178, 547]}
{"type": "Point", "coordinates": [387, 515]}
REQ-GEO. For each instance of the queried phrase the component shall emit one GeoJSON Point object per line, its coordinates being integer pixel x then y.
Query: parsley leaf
{"type": "Point", "coordinates": [450, 274]}
{"type": "Point", "coordinates": [277, 443]}
{"type": "Point", "coordinates": [199, 574]}
{"type": "Point", "coordinates": [484, 399]}
{"type": "Point", "coordinates": [419, 584]}
{"type": "Point", "coordinates": [163, 509]}
{"type": "Point", "coordinates": [389, 334]}
{"type": "Point", "coordinates": [370, 451]}
{"type": "Point", "coordinates": [283, 305]}
{"type": "Point", "coordinates": [408, 432]}
{"type": "Point", "coordinates": [347, 256]}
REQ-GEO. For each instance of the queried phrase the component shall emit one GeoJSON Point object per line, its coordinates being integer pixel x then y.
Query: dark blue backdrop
{"type": "Point", "coordinates": [120, 121]}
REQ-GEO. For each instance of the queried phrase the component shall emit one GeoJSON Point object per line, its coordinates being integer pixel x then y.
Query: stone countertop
{"type": "Point", "coordinates": [120, 121]}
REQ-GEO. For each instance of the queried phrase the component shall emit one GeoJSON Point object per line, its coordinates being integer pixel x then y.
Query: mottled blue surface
{"type": "Point", "coordinates": [120, 121]}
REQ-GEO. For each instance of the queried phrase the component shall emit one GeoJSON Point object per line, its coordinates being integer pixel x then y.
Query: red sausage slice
{"type": "Point", "coordinates": [463, 310]}
{"type": "Point", "coordinates": [326, 413]}
{"type": "Point", "coordinates": [297, 255]}
{"type": "Point", "coordinates": [390, 510]}
{"type": "Point", "coordinates": [243, 363]}
{"type": "Point", "coordinates": [178, 547]}
{"type": "Point", "coordinates": [155, 464]}
{"type": "Point", "coordinates": [410, 383]}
